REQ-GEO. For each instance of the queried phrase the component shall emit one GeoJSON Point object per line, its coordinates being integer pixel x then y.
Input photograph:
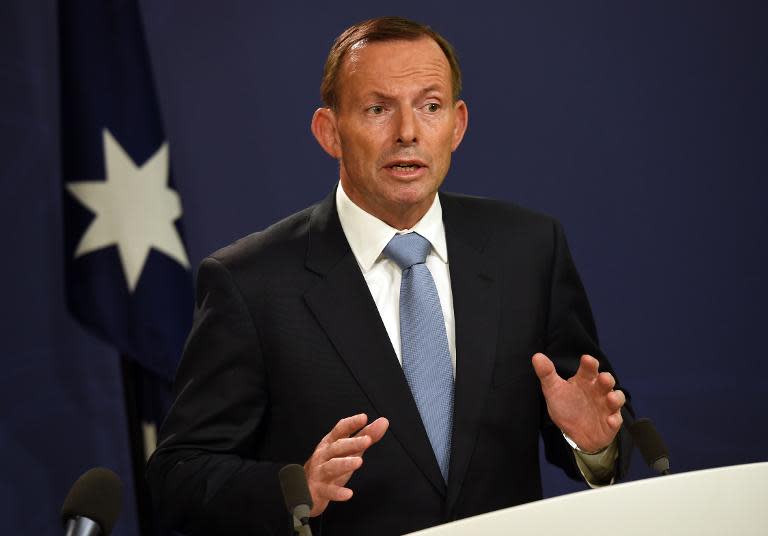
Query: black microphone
{"type": "Point", "coordinates": [298, 500]}
{"type": "Point", "coordinates": [651, 445]}
{"type": "Point", "coordinates": [93, 504]}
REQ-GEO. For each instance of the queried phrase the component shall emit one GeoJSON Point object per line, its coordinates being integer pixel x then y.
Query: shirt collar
{"type": "Point", "coordinates": [368, 236]}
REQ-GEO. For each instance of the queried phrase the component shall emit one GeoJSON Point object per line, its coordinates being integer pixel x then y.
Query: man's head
{"type": "Point", "coordinates": [381, 30]}
{"type": "Point", "coordinates": [393, 116]}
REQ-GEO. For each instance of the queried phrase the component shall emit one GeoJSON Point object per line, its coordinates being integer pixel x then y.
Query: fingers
{"type": "Point", "coordinates": [346, 446]}
{"type": "Point", "coordinates": [606, 381]}
{"type": "Point", "coordinates": [337, 442]}
{"type": "Point", "coordinates": [337, 456]}
{"type": "Point", "coordinates": [357, 445]}
{"type": "Point", "coordinates": [545, 370]}
{"type": "Point", "coordinates": [375, 430]}
{"type": "Point", "coordinates": [588, 368]}
{"type": "Point", "coordinates": [588, 371]}
{"type": "Point", "coordinates": [614, 420]}
{"type": "Point", "coordinates": [338, 468]}
{"type": "Point", "coordinates": [332, 492]}
{"type": "Point", "coordinates": [326, 481]}
{"type": "Point", "coordinates": [615, 400]}
{"type": "Point", "coordinates": [346, 427]}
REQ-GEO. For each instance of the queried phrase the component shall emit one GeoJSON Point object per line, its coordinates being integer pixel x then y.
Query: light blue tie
{"type": "Point", "coordinates": [426, 358]}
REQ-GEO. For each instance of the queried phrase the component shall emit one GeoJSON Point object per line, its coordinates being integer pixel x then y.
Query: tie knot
{"type": "Point", "coordinates": [408, 249]}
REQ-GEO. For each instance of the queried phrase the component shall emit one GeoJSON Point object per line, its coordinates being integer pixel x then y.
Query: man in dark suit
{"type": "Point", "coordinates": [302, 329]}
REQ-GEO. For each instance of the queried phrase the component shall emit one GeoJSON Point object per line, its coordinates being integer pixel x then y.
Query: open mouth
{"type": "Point", "coordinates": [406, 165]}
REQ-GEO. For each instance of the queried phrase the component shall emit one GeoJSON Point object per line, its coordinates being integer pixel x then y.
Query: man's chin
{"type": "Point", "coordinates": [409, 205]}
{"type": "Point", "coordinates": [412, 195]}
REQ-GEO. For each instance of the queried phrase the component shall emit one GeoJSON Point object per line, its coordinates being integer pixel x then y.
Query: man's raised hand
{"type": "Point", "coordinates": [585, 406]}
{"type": "Point", "coordinates": [337, 456]}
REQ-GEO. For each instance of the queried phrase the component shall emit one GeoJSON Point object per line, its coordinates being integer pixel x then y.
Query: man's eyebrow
{"type": "Point", "coordinates": [433, 87]}
{"type": "Point", "coordinates": [378, 95]}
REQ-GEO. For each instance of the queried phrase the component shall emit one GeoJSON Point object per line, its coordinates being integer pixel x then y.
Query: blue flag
{"type": "Point", "coordinates": [127, 270]}
{"type": "Point", "coordinates": [128, 276]}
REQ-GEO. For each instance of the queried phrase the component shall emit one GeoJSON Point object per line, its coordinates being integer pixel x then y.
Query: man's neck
{"type": "Point", "coordinates": [399, 217]}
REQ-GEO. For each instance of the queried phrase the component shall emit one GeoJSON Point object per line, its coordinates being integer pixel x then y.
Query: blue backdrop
{"type": "Point", "coordinates": [642, 126]}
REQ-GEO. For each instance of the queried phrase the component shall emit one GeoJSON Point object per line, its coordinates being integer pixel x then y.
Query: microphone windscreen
{"type": "Point", "coordinates": [97, 495]}
{"type": "Point", "coordinates": [648, 441]}
{"type": "Point", "coordinates": [293, 482]}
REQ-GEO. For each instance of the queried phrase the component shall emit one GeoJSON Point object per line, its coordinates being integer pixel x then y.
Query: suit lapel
{"type": "Point", "coordinates": [344, 308]}
{"type": "Point", "coordinates": [476, 310]}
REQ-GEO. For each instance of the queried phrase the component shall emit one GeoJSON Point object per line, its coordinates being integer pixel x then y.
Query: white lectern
{"type": "Point", "coordinates": [723, 501]}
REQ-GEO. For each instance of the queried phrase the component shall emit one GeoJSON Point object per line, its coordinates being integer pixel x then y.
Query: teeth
{"type": "Point", "coordinates": [402, 167]}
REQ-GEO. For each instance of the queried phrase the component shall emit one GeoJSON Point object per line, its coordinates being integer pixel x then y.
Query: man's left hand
{"type": "Point", "coordinates": [585, 407]}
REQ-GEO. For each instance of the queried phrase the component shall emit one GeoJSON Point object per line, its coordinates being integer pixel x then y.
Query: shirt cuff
{"type": "Point", "coordinates": [598, 469]}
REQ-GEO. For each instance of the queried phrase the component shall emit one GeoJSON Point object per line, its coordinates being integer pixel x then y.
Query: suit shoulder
{"type": "Point", "coordinates": [282, 240]}
{"type": "Point", "coordinates": [500, 214]}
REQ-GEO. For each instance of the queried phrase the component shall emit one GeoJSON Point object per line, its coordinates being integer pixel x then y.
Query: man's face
{"type": "Point", "coordinates": [395, 127]}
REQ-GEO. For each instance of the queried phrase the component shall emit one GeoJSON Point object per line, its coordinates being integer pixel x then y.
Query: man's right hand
{"type": "Point", "coordinates": [337, 456]}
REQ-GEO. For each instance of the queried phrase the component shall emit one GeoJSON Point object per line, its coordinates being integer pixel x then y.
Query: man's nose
{"type": "Point", "coordinates": [407, 126]}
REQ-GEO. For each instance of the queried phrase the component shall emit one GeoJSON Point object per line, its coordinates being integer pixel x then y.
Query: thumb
{"type": "Point", "coordinates": [545, 370]}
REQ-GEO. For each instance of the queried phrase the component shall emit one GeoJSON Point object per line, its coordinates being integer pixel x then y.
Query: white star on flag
{"type": "Point", "coordinates": [134, 209]}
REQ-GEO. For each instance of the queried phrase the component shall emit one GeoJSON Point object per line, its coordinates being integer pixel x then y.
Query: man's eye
{"type": "Point", "coordinates": [376, 110]}
{"type": "Point", "coordinates": [433, 107]}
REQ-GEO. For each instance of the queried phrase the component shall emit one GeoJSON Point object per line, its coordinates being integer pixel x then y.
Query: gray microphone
{"type": "Point", "coordinates": [651, 445]}
{"type": "Point", "coordinates": [297, 497]}
{"type": "Point", "coordinates": [93, 504]}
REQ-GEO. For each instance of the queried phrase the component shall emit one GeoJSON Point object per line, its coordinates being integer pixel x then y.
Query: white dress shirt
{"type": "Point", "coordinates": [368, 236]}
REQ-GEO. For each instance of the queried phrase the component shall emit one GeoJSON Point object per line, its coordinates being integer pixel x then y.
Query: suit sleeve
{"type": "Point", "coordinates": [201, 478]}
{"type": "Point", "coordinates": [571, 332]}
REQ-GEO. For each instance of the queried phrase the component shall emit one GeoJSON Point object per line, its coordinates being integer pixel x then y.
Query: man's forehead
{"type": "Point", "coordinates": [381, 55]}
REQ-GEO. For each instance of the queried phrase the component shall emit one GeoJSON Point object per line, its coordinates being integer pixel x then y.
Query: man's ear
{"type": "Point", "coordinates": [325, 132]}
{"type": "Point", "coordinates": [462, 119]}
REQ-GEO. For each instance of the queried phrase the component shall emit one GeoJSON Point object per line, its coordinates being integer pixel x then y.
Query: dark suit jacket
{"type": "Point", "coordinates": [287, 340]}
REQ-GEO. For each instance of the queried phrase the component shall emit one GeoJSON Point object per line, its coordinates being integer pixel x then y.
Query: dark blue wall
{"type": "Point", "coordinates": [643, 126]}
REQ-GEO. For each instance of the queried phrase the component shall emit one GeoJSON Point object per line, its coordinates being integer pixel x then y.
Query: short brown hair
{"type": "Point", "coordinates": [381, 29]}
